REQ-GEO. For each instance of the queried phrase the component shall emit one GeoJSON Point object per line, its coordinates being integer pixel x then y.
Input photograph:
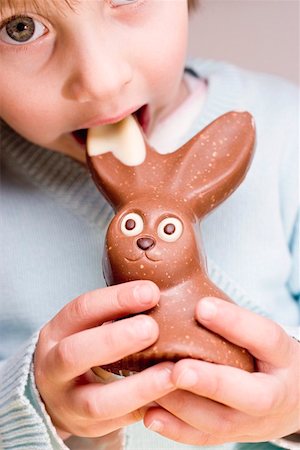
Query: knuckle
{"type": "Point", "coordinates": [182, 404]}
{"type": "Point", "coordinates": [79, 308]}
{"type": "Point", "coordinates": [267, 403]}
{"type": "Point", "coordinates": [227, 426]}
{"type": "Point", "coordinates": [276, 338]}
{"type": "Point", "coordinates": [143, 394]}
{"type": "Point", "coordinates": [64, 354]}
{"type": "Point", "coordinates": [215, 386]}
{"type": "Point", "coordinates": [122, 298]}
{"type": "Point", "coordinates": [110, 340]}
{"type": "Point", "coordinates": [46, 338]}
{"type": "Point", "coordinates": [91, 407]}
{"type": "Point", "coordinates": [43, 335]}
{"type": "Point", "coordinates": [274, 397]}
{"type": "Point", "coordinates": [268, 397]}
{"type": "Point", "coordinates": [131, 328]}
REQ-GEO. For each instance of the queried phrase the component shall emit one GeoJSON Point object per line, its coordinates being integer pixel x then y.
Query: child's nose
{"type": "Point", "coordinates": [98, 77]}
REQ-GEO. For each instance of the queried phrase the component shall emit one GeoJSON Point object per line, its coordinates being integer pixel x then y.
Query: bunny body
{"type": "Point", "coordinates": [153, 235]}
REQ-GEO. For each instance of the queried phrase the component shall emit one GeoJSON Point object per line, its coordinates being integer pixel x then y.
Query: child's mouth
{"type": "Point", "coordinates": [142, 115]}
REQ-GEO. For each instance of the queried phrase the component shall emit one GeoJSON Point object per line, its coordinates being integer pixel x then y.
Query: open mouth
{"type": "Point", "coordinates": [142, 115]}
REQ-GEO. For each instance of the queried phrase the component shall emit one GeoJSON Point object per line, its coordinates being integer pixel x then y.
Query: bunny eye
{"type": "Point", "coordinates": [170, 229]}
{"type": "Point", "coordinates": [132, 224]}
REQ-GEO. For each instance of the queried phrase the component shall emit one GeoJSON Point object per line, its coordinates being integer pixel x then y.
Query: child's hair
{"type": "Point", "coordinates": [191, 3]}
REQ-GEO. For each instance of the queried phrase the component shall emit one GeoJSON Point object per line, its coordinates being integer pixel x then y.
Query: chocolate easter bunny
{"type": "Point", "coordinates": [158, 200]}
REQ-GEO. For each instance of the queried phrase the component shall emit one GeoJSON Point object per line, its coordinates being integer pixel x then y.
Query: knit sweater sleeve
{"type": "Point", "coordinates": [290, 208]}
{"type": "Point", "coordinates": [294, 279]}
{"type": "Point", "coordinates": [290, 203]}
{"type": "Point", "coordinates": [23, 423]}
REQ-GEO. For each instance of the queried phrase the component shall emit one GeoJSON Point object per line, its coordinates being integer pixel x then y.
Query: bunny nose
{"type": "Point", "coordinates": [145, 243]}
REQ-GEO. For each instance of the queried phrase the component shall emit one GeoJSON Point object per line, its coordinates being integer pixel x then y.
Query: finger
{"type": "Point", "coordinates": [264, 339]}
{"type": "Point", "coordinates": [96, 307]}
{"type": "Point", "coordinates": [87, 427]}
{"type": "Point", "coordinates": [256, 394]}
{"type": "Point", "coordinates": [205, 414]}
{"type": "Point", "coordinates": [76, 354]}
{"type": "Point", "coordinates": [99, 402]}
{"type": "Point", "coordinates": [164, 423]}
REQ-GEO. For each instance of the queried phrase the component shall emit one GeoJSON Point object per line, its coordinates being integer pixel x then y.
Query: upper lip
{"type": "Point", "coordinates": [100, 120]}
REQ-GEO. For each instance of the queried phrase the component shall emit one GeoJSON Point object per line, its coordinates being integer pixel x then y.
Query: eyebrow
{"type": "Point", "coordinates": [41, 7]}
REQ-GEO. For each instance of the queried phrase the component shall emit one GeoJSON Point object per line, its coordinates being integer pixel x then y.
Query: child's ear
{"type": "Point", "coordinates": [215, 161]}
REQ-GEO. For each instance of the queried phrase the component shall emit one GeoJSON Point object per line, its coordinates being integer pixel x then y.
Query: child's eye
{"type": "Point", "coordinates": [21, 29]}
{"type": "Point", "coordinates": [121, 2]}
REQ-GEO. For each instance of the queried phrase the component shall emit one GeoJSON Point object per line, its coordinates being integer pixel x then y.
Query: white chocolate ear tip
{"type": "Point", "coordinates": [124, 139]}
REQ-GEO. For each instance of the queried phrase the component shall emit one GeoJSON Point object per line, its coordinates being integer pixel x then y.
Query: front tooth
{"type": "Point", "coordinates": [124, 139]}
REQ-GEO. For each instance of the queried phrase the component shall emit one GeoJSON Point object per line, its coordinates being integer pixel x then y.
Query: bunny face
{"type": "Point", "coordinates": [150, 240]}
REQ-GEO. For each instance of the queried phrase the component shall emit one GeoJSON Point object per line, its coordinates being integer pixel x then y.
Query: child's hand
{"type": "Point", "coordinates": [73, 342]}
{"type": "Point", "coordinates": [224, 404]}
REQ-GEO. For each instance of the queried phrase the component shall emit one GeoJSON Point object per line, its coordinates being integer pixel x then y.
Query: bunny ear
{"type": "Point", "coordinates": [202, 173]}
{"type": "Point", "coordinates": [113, 153]}
{"type": "Point", "coordinates": [215, 161]}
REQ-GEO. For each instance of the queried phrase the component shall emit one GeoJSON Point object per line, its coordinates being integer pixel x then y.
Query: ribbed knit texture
{"type": "Point", "coordinates": [20, 426]}
{"type": "Point", "coordinates": [51, 191]}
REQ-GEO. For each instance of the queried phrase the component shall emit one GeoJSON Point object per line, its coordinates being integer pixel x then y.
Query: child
{"type": "Point", "coordinates": [71, 65]}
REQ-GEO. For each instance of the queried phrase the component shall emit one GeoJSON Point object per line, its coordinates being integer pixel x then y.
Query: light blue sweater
{"type": "Point", "coordinates": [54, 221]}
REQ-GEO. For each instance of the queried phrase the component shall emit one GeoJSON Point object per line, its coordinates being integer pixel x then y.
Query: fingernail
{"type": "Point", "coordinates": [156, 426]}
{"type": "Point", "coordinates": [188, 378]}
{"type": "Point", "coordinates": [143, 293]}
{"type": "Point", "coordinates": [143, 328]}
{"type": "Point", "coordinates": [207, 309]}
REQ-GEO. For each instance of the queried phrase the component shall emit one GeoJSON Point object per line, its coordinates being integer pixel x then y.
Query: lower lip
{"type": "Point", "coordinates": [142, 115]}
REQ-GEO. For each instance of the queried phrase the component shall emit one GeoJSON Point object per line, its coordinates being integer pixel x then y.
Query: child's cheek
{"type": "Point", "coordinates": [165, 50]}
{"type": "Point", "coordinates": [29, 109]}
{"type": "Point", "coordinates": [26, 60]}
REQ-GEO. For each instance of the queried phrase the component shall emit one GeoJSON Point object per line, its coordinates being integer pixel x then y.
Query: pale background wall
{"type": "Point", "coordinates": [256, 34]}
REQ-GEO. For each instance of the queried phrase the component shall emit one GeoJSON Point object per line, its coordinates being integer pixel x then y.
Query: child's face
{"type": "Point", "coordinates": [68, 68]}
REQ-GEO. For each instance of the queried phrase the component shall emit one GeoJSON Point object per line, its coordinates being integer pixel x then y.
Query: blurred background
{"type": "Point", "coordinates": [262, 35]}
